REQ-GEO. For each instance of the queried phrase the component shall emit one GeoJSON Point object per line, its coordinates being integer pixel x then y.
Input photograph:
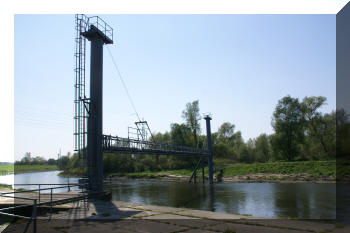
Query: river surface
{"type": "Point", "coordinates": [50, 177]}
{"type": "Point", "coordinates": [302, 200]}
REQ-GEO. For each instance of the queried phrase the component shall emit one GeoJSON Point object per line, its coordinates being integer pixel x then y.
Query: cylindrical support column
{"type": "Point", "coordinates": [94, 142]}
{"type": "Point", "coordinates": [210, 150]}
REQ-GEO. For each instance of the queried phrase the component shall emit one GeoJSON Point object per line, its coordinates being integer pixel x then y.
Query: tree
{"type": "Point", "coordinates": [51, 162]}
{"type": "Point", "coordinates": [247, 153]}
{"type": "Point", "coordinates": [192, 117]}
{"type": "Point", "coordinates": [227, 141]}
{"type": "Point", "coordinates": [180, 135]}
{"type": "Point", "coordinates": [321, 128]}
{"type": "Point", "coordinates": [38, 160]}
{"type": "Point", "coordinates": [27, 159]}
{"type": "Point", "coordinates": [63, 162]}
{"type": "Point", "coordinates": [262, 148]}
{"type": "Point", "coordinates": [289, 123]}
{"type": "Point", "coordinates": [226, 130]}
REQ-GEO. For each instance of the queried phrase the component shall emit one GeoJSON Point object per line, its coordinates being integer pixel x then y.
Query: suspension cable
{"type": "Point", "coordinates": [122, 80]}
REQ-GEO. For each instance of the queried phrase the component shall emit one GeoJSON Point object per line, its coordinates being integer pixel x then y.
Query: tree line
{"type": "Point", "coordinates": [301, 132]}
{"type": "Point", "coordinates": [28, 159]}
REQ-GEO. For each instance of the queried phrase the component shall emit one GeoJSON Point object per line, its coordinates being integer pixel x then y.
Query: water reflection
{"type": "Point", "coordinates": [315, 201]}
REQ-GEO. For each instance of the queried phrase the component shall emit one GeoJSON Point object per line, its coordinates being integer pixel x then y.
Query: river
{"type": "Point", "coordinates": [295, 200]}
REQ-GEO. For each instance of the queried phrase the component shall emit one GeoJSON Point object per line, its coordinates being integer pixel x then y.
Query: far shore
{"type": "Point", "coordinates": [250, 178]}
{"type": "Point", "coordinates": [26, 171]}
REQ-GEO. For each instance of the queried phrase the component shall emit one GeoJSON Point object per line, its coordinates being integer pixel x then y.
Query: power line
{"type": "Point", "coordinates": [122, 80]}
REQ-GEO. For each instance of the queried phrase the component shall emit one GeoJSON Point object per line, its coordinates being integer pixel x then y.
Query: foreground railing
{"type": "Point", "coordinates": [36, 202]}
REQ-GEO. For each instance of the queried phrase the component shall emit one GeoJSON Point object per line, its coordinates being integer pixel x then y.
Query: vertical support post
{"type": "Point", "coordinates": [39, 193]}
{"type": "Point", "coordinates": [195, 176]}
{"type": "Point", "coordinates": [34, 216]}
{"type": "Point", "coordinates": [50, 203]}
{"type": "Point", "coordinates": [203, 170]}
{"type": "Point", "coordinates": [95, 118]}
{"type": "Point", "coordinates": [210, 150]}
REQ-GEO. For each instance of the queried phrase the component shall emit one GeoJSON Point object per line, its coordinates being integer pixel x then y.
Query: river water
{"type": "Point", "coordinates": [302, 200]}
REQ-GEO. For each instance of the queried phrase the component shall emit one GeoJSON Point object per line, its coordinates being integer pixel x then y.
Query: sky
{"type": "Point", "coordinates": [237, 66]}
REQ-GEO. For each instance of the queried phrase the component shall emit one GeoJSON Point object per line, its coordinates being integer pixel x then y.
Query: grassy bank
{"type": "Point", "coordinates": [311, 170]}
{"type": "Point", "coordinates": [5, 186]}
{"type": "Point", "coordinates": [10, 169]}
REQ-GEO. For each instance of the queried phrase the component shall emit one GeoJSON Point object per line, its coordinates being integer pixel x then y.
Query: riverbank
{"type": "Point", "coordinates": [282, 172]}
{"type": "Point", "coordinates": [291, 172]}
{"type": "Point", "coordinates": [18, 169]}
{"type": "Point", "coordinates": [251, 178]}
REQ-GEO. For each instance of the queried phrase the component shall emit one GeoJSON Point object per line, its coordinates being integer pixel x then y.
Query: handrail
{"type": "Point", "coordinates": [110, 142]}
{"type": "Point", "coordinates": [96, 21]}
{"type": "Point", "coordinates": [33, 216]}
{"type": "Point", "coordinates": [40, 189]}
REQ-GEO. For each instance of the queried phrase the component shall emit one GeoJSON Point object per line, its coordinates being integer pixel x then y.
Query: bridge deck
{"type": "Point", "coordinates": [132, 146]}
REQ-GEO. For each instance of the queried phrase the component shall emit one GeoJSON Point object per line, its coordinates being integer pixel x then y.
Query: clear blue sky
{"type": "Point", "coordinates": [237, 66]}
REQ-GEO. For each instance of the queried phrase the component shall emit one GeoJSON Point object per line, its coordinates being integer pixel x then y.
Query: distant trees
{"type": "Point", "coordinates": [28, 159]}
{"type": "Point", "coordinates": [302, 132]}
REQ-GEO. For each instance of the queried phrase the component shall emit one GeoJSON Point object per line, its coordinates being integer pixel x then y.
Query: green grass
{"type": "Point", "coordinates": [313, 168]}
{"type": "Point", "coordinates": [7, 169]}
{"type": "Point", "coordinates": [5, 186]}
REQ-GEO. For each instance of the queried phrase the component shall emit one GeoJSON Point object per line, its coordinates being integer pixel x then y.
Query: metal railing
{"type": "Point", "coordinates": [101, 25]}
{"type": "Point", "coordinates": [127, 145]}
{"type": "Point", "coordinates": [96, 21]}
{"type": "Point", "coordinates": [36, 202]}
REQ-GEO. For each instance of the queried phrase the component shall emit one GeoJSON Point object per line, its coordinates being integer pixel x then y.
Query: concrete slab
{"type": "Point", "coordinates": [208, 214]}
{"type": "Point", "coordinates": [149, 226]}
{"type": "Point", "coordinates": [162, 209]}
{"type": "Point", "coordinates": [243, 228]}
{"type": "Point", "coordinates": [295, 224]}
{"type": "Point", "coordinates": [192, 223]}
{"type": "Point", "coordinates": [168, 216]}
{"type": "Point", "coordinates": [198, 231]}
{"type": "Point", "coordinates": [345, 229]}
{"type": "Point", "coordinates": [139, 213]}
